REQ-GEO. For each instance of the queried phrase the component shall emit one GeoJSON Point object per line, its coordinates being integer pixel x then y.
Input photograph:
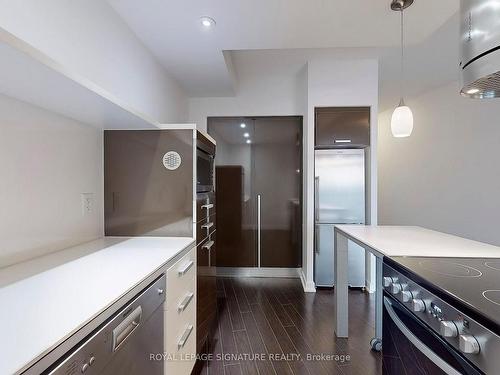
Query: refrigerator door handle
{"type": "Point", "coordinates": [316, 198]}
{"type": "Point", "coordinates": [316, 239]}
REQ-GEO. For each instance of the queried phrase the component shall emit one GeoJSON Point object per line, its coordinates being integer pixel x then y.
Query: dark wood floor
{"type": "Point", "coordinates": [269, 326]}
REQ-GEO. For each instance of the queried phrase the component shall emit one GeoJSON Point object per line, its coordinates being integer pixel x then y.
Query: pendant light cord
{"type": "Point", "coordinates": [402, 59]}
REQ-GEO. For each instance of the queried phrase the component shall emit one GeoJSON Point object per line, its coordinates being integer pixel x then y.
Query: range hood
{"type": "Point", "coordinates": [480, 48]}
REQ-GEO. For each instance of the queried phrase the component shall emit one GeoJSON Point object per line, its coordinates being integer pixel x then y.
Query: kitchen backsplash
{"type": "Point", "coordinates": [51, 188]}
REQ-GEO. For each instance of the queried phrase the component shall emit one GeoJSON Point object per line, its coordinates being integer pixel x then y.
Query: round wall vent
{"type": "Point", "coordinates": [172, 160]}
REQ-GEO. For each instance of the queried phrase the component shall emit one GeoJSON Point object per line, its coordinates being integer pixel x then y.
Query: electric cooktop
{"type": "Point", "coordinates": [474, 283]}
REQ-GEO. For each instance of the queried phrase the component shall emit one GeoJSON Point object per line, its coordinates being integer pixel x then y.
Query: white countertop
{"type": "Point", "coordinates": [416, 241]}
{"type": "Point", "coordinates": [46, 300]}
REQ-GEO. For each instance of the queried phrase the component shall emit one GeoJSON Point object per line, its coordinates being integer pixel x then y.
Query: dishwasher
{"type": "Point", "coordinates": [129, 343]}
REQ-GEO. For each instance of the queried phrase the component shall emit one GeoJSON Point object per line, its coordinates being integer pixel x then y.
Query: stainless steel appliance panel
{"type": "Point", "coordinates": [324, 274]}
{"type": "Point", "coordinates": [340, 186]}
{"type": "Point", "coordinates": [324, 270]}
{"type": "Point", "coordinates": [480, 48]}
{"type": "Point", "coordinates": [479, 27]}
{"type": "Point", "coordinates": [126, 344]}
{"type": "Point", "coordinates": [339, 199]}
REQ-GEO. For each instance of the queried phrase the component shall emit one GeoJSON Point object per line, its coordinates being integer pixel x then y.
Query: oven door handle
{"type": "Point", "coordinates": [443, 365]}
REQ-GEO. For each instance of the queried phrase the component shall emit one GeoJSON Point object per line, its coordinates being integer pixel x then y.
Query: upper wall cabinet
{"type": "Point", "coordinates": [29, 75]}
{"type": "Point", "coordinates": [342, 127]}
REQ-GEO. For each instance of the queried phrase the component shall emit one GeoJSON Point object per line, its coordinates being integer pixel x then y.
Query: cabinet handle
{"type": "Point", "coordinates": [342, 141]}
{"type": "Point", "coordinates": [126, 327]}
{"type": "Point", "coordinates": [185, 302]}
{"type": "Point", "coordinates": [186, 268]}
{"type": "Point", "coordinates": [208, 206]}
{"type": "Point", "coordinates": [258, 228]}
{"type": "Point", "coordinates": [185, 337]}
{"type": "Point", "coordinates": [207, 226]}
{"type": "Point", "coordinates": [208, 245]}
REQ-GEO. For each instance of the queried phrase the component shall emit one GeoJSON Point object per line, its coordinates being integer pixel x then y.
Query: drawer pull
{"type": "Point", "coordinates": [208, 245]}
{"type": "Point", "coordinates": [185, 337]}
{"type": "Point", "coordinates": [208, 206]}
{"type": "Point", "coordinates": [186, 268]}
{"type": "Point", "coordinates": [207, 226]}
{"type": "Point", "coordinates": [185, 302]}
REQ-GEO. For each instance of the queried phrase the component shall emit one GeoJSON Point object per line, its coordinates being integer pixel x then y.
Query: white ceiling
{"type": "Point", "coordinates": [171, 30]}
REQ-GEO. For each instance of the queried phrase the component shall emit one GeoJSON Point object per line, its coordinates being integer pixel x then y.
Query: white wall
{"type": "Point", "coordinates": [47, 161]}
{"type": "Point", "coordinates": [446, 175]}
{"type": "Point", "coordinates": [91, 39]}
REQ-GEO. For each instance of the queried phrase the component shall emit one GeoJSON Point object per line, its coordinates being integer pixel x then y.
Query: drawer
{"type": "Point", "coordinates": [205, 205]}
{"type": "Point", "coordinates": [176, 324]}
{"type": "Point", "coordinates": [181, 277]}
{"type": "Point", "coordinates": [204, 228]}
{"type": "Point", "coordinates": [180, 360]}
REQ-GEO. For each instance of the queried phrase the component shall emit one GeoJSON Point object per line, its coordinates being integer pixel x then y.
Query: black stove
{"type": "Point", "coordinates": [471, 283]}
{"type": "Point", "coordinates": [448, 307]}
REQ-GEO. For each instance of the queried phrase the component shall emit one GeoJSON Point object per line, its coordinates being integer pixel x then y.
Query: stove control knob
{"type": "Point", "coordinates": [468, 344]}
{"type": "Point", "coordinates": [448, 328]}
{"type": "Point", "coordinates": [407, 295]}
{"type": "Point", "coordinates": [387, 281]}
{"type": "Point", "coordinates": [396, 288]}
{"type": "Point", "coordinates": [418, 305]}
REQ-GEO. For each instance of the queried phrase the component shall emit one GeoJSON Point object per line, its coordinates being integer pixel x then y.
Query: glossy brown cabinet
{"type": "Point", "coordinates": [206, 256]}
{"type": "Point", "coordinates": [342, 127]}
{"type": "Point", "coordinates": [259, 191]}
{"type": "Point", "coordinates": [236, 245]}
{"type": "Point", "coordinates": [142, 197]}
{"type": "Point", "coordinates": [206, 289]}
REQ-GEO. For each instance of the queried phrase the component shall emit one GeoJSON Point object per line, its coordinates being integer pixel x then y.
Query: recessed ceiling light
{"type": "Point", "coordinates": [207, 22]}
{"type": "Point", "coordinates": [249, 141]}
{"type": "Point", "coordinates": [243, 125]}
{"type": "Point", "coordinates": [246, 135]}
{"type": "Point", "coordinates": [472, 91]}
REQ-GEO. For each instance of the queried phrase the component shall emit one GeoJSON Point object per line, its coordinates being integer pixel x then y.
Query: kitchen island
{"type": "Point", "coordinates": [392, 241]}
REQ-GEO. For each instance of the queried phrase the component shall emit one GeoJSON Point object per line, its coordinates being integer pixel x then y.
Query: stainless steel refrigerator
{"type": "Point", "coordinates": [339, 194]}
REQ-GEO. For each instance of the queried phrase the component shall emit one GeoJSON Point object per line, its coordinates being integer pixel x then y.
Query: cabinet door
{"type": "Point", "coordinates": [205, 290]}
{"type": "Point", "coordinates": [342, 126]}
{"type": "Point", "coordinates": [277, 180]}
{"type": "Point", "coordinates": [236, 202]}
{"type": "Point", "coordinates": [235, 211]}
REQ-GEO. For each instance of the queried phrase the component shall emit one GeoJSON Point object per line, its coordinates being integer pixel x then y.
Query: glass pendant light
{"type": "Point", "coordinates": [402, 117]}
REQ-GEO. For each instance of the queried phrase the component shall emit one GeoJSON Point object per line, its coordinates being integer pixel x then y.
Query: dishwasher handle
{"type": "Point", "coordinates": [126, 328]}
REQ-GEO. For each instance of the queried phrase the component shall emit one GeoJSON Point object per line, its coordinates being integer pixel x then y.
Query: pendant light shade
{"type": "Point", "coordinates": [402, 117]}
{"type": "Point", "coordinates": [402, 122]}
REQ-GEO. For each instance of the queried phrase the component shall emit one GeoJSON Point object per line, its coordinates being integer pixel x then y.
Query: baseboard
{"type": "Point", "coordinates": [258, 272]}
{"type": "Point", "coordinates": [308, 287]}
{"type": "Point", "coordinates": [370, 288]}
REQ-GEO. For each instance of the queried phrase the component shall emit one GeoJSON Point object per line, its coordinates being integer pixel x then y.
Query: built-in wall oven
{"type": "Point", "coordinates": [205, 155]}
{"type": "Point", "coordinates": [428, 328]}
